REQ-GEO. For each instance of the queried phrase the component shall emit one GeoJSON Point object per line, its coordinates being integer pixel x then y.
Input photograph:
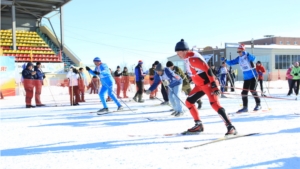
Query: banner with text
{"type": "Point", "coordinates": [7, 75]}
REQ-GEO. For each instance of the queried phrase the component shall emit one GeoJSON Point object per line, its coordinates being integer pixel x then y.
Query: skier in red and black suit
{"type": "Point", "coordinates": [205, 84]}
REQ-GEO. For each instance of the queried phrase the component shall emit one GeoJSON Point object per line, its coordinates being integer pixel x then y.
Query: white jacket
{"type": "Point", "coordinates": [73, 78]}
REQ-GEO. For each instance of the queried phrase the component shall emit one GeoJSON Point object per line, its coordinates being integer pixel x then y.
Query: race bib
{"type": "Point", "coordinates": [244, 63]}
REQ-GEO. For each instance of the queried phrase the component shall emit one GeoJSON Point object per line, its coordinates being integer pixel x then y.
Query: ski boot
{"type": "Point", "coordinates": [257, 107]}
{"type": "Point", "coordinates": [120, 108]}
{"type": "Point", "coordinates": [164, 103]}
{"type": "Point", "coordinates": [175, 112]}
{"type": "Point", "coordinates": [135, 98]}
{"type": "Point", "coordinates": [178, 114]}
{"type": "Point", "coordinates": [103, 110]}
{"type": "Point", "coordinates": [243, 110]}
{"type": "Point", "coordinates": [140, 99]}
{"type": "Point", "coordinates": [152, 98]}
{"type": "Point", "coordinates": [197, 129]}
{"type": "Point", "coordinates": [29, 106]}
{"type": "Point", "coordinates": [231, 130]}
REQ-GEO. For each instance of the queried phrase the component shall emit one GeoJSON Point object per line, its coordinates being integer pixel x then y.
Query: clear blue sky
{"type": "Point", "coordinates": [127, 31]}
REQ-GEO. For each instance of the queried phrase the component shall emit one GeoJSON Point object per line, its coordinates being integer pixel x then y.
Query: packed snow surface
{"type": "Point", "coordinates": [61, 136]}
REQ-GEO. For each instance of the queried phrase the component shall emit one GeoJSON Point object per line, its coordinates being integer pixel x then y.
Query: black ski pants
{"type": "Point", "coordinates": [250, 85]}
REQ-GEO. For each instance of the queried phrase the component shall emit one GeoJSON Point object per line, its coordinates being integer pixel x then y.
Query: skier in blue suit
{"type": "Point", "coordinates": [245, 60]}
{"type": "Point", "coordinates": [107, 81]}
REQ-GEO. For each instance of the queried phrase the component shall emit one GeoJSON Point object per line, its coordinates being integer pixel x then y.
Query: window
{"type": "Point", "coordinates": [287, 42]}
{"type": "Point", "coordinates": [280, 42]}
{"type": "Point", "coordinates": [295, 43]}
{"type": "Point", "coordinates": [284, 61]}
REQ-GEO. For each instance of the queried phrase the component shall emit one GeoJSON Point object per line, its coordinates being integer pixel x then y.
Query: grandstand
{"type": "Point", "coordinates": [23, 37]}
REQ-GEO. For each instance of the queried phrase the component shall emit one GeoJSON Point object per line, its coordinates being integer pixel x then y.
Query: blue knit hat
{"type": "Point", "coordinates": [140, 62]}
{"type": "Point", "coordinates": [180, 46]}
{"type": "Point", "coordinates": [97, 59]}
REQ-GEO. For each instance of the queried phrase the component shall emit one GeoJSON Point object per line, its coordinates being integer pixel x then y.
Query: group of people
{"type": "Point", "coordinates": [33, 79]}
{"type": "Point", "coordinates": [77, 85]}
{"type": "Point", "coordinates": [293, 77]}
{"type": "Point", "coordinates": [172, 80]}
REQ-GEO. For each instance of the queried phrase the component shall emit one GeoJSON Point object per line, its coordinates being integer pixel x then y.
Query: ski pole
{"type": "Point", "coordinates": [51, 92]}
{"type": "Point", "coordinates": [270, 97]}
{"type": "Point", "coordinates": [175, 95]}
{"type": "Point", "coordinates": [256, 79]}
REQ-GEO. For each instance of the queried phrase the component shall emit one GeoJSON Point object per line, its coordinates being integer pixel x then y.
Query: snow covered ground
{"type": "Point", "coordinates": [72, 137]}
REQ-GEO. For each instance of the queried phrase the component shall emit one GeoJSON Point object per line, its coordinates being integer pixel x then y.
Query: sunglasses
{"type": "Point", "coordinates": [239, 51]}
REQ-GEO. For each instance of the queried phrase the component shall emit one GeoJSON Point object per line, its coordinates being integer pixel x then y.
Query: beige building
{"type": "Point", "coordinates": [275, 58]}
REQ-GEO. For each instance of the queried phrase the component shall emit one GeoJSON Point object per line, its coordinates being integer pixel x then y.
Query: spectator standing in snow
{"type": "Point", "coordinates": [260, 70]}
{"type": "Point", "coordinates": [151, 80]}
{"type": "Point", "coordinates": [28, 79]}
{"type": "Point", "coordinates": [139, 79]}
{"type": "Point", "coordinates": [125, 80]}
{"type": "Point", "coordinates": [117, 76]}
{"type": "Point", "coordinates": [289, 77]}
{"type": "Point", "coordinates": [40, 76]}
{"type": "Point", "coordinates": [82, 83]}
{"type": "Point", "coordinates": [73, 77]}
{"type": "Point", "coordinates": [296, 79]}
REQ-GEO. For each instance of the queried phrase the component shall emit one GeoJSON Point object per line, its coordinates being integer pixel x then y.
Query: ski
{"type": "Point", "coordinates": [115, 111]}
{"type": "Point", "coordinates": [222, 139]}
{"type": "Point", "coordinates": [251, 112]}
{"type": "Point", "coordinates": [185, 133]}
{"type": "Point", "coordinates": [164, 118]}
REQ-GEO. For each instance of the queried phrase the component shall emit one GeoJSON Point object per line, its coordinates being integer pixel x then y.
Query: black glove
{"type": "Point", "coordinates": [97, 73]}
{"type": "Point", "coordinates": [87, 68]}
{"type": "Point", "coordinates": [215, 89]}
{"type": "Point", "coordinates": [296, 74]}
{"type": "Point", "coordinates": [44, 77]}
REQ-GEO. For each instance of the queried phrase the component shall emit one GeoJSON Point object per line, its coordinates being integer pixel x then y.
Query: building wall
{"type": "Point", "coordinates": [274, 40]}
{"type": "Point", "coordinates": [21, 23]}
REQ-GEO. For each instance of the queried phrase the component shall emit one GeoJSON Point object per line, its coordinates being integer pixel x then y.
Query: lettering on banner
{"type": "Point", "coordinates": [3, 69]}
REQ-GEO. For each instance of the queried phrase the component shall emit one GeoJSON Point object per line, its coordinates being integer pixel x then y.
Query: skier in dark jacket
{"type": "Point", "coordinates": [29, 75]}
{"type": "Point", "coordinates": [139, 79]}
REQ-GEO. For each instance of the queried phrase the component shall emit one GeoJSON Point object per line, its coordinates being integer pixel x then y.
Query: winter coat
{"type": "Point", "coordinates": [125, 73]}
{"type": "Point", "coordinates": [296, 73]}
{"type": "Point", "coordinates": [288, 74]}
{"type": "Point", "coordinates": [117, 73]}
{"type": "Point", "coordinates": [246, 65]}
{"type": "Point", "coordinates": [167, 75]}
{"type": "Point", "coordinates": [183, 76]}
{"type": "Point", "coordinates": [39, 74]}
{"type": "Point", "coordinates": [260, 70]}
{"type": "Point", "coordinates": [26, 74]}
{"type": "Point", "coordinates": [73, 78]}
{"type": "Point", "coordinates": [139, 74]}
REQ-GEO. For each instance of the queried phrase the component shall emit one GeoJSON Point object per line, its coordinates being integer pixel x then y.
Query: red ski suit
{"type": "Point", "coordinates": [203, 78]}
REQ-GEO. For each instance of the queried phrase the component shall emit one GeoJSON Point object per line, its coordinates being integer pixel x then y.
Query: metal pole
{"type": "Point", "coordinates": [13, 14]}
{"type": "Point", "coordinates": [54, 33]}
{"type": "Point", "coordinates": [61, 28]}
